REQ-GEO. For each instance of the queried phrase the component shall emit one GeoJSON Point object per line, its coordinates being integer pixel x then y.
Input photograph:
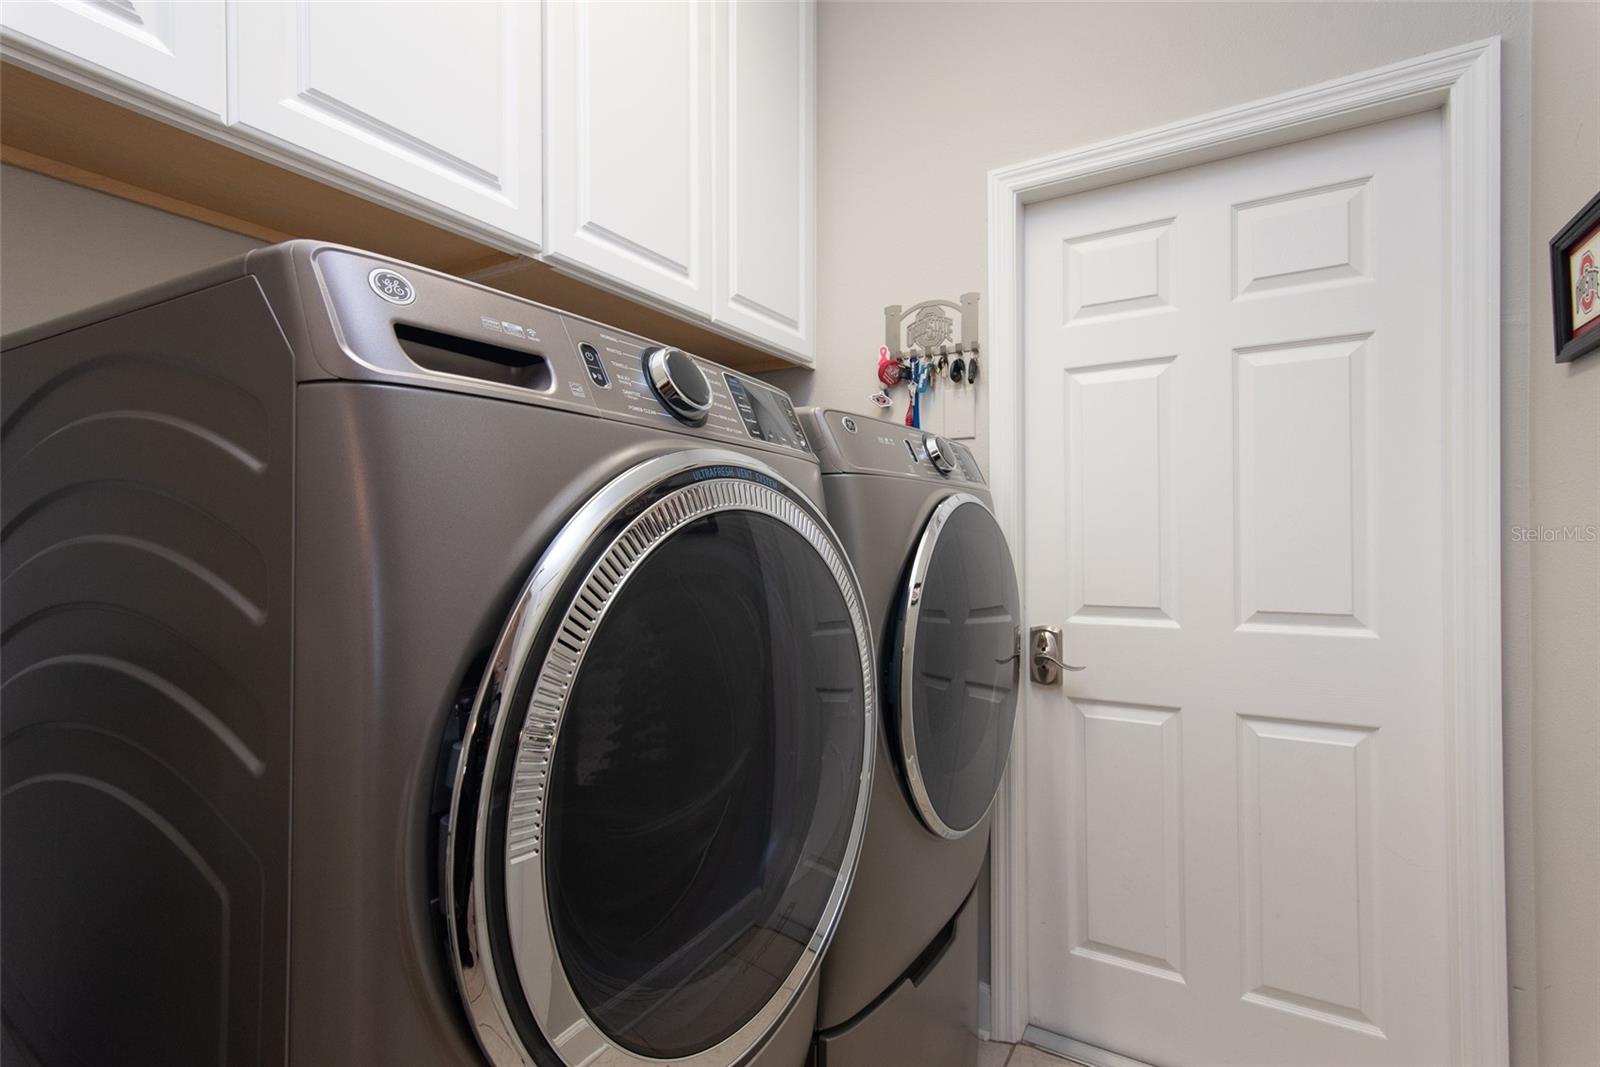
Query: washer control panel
{"type": "Point", "coordinates": [394, 322]}
{"type": "Point", "coordinates": [632, 378]}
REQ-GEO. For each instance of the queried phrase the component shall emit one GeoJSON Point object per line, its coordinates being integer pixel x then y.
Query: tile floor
{"type": "Point", "coordinates": [993, 1054]}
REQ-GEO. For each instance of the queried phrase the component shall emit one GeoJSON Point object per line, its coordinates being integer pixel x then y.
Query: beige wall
{"type": "Point", "coordinates": [63, 248]}
{"type": "Point", "coordinates": [917, 102]}
{"type": "Point", "coordinates": [1564, 463]}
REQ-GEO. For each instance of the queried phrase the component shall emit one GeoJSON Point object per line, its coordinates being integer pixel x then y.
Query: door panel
{"type": "Point", "coordinates": [178, 50]}
{"type": "Point", "coordinates": [1234, 410]}
{"type": "Point", "coordinates": [439, 102]}
{"type": "Point", "coordinates": [1127, 906]}
{"type": "Point", "coordinates": [1301, 525]}
{"type": "Point", "coordinates": [1305, 792]}
{"type": "Point", "coordinates": [1119, 492]}
{"type": "Point", "coordinates": [1125, 271]}
{"type": "Point", "coordinates": [1316, 235]}
{"type": "Point", "coordinates": [630, 180]}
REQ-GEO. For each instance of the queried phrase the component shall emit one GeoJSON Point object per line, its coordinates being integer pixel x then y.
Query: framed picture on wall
{"type": "Point", "coordinates": [1575, 283]}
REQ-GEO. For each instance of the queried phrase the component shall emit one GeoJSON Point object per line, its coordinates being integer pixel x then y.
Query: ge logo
{"type": "Point", "coordinates": [390, 286]}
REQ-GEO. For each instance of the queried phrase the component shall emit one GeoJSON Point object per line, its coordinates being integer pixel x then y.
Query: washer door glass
{"type": "Point", "coordinates": [702, 791]}
{"type": "Point", "coordinates": [959, 666]}
{"type": "Point", "coordinates": [663, 784]}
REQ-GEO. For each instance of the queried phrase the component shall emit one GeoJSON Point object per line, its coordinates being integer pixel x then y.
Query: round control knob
{"type": "Point", "coordinates": [940, 451]}
{"type": "Point", "coordinates": [678, 383]}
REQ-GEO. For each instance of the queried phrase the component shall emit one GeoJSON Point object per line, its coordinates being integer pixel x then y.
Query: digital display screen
{"type": "Point", "coordinates": [767, 415]}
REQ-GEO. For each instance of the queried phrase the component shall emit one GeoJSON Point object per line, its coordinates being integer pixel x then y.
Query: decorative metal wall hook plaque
{"type": "Point", "coordinates": [926, 329]}
{"type": "Point", "coordinates": [920, 348]}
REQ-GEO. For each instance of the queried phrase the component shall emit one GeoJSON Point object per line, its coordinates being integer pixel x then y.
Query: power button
{"type": "Point", "coordinates": [597, 369]}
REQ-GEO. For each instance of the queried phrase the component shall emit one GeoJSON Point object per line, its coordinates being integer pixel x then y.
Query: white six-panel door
{"type": "Point", "coordinates": [439, 101]}
{"type": "Point", "coordinates": [1234, 494]}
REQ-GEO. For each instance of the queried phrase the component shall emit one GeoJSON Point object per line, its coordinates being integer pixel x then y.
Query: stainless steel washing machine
{"type": "Point", "coordinates": [399, 672]}
{"type": "Point", "coordinates": [900, 984]}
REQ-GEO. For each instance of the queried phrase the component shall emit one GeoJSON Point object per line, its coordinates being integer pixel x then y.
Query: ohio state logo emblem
{"type": "Point", "coordinates": [1587, 283]}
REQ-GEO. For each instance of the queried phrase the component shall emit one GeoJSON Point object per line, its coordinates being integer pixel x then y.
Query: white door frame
{"type": "Point", "coordinates": [1463, 83]}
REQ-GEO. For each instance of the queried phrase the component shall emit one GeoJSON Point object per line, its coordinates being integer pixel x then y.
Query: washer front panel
{"type": "Point", "coordinates": [639, 869]}
{"type": "Point", "coordinates": [958, 666]}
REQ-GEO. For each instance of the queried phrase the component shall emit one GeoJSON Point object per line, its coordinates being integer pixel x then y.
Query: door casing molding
{"type": "Point", "coordinates": [1463, 83]}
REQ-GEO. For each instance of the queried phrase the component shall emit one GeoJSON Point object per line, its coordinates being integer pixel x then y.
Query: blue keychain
{"type": "Point", "coordinates": [921, 381]}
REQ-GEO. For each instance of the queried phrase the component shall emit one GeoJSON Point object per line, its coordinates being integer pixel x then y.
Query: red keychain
{"type": "Point", "coordinates": [889, 376]}
{"type": "Point", "coordinates": [888, 368]}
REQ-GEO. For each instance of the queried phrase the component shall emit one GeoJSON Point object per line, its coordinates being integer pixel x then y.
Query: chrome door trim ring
{"type": "Point", "coordinates": [563, 1025]}
{"type": "Point", "coordinates": [910, 614]}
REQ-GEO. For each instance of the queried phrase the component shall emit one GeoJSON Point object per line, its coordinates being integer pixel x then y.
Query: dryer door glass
{"type": "Point", "coordinates": [958, 666]}
{"type": "Point", "coordinates": [702, 792]}
{"type": "Point", "coordinates": [672, 808]}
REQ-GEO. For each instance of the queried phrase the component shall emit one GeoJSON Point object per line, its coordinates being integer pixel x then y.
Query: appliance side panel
{"type": "Point", "coordinates": [393, 600]}
{"type": "Point", "coordinates": [146, 547]}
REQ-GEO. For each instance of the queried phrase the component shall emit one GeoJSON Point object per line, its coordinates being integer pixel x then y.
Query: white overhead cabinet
{"type": "Point", "coordinates": [663, 149]}
{"type": "Point", "coordinates": [630, 145]}
{"type": "Point", "coordinates": [681, 157]}
{"type": "Point", "coordinates": [436, 103]}
{"type": "Point", "coordinates": [766, 162]}
{"type": "Point", "coordinates": [174, 50]}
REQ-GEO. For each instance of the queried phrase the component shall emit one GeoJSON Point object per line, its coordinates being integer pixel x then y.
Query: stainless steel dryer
{"type": "Point", "coordinates": [398, 672]}
{"type": "Point", "coordinates": [900, 984]}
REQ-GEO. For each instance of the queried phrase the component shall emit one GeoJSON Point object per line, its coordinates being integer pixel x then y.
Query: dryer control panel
{"type": "Point", "coordinates": [860, 444]}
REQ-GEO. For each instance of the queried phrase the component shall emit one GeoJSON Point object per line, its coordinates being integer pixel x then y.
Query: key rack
{"type": "Point", "coordinates": [921, 351]}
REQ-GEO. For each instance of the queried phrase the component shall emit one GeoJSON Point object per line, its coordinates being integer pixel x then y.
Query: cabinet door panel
{"type": "Point", "coordinates": [177, 50]}
{"type": "Point", "coordinates": [765, 171]}
{"type": "Point", "coordinates": [630, 145]}
{"type": "Point", "coordinates": [438, 102]}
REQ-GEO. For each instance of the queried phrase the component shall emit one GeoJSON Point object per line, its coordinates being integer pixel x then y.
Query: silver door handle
{"type": "Point", "coordinates": [1044, 655]}
{"type": "Point", "coordinates": [1047, 658]}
